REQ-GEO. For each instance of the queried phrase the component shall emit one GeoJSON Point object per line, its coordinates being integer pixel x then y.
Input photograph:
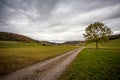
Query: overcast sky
{"type": "Point", "coordinates": [57, 20]}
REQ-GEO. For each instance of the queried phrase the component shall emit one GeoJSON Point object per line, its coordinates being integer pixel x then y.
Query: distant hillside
{"type": "Point", "coordinates": [73, 42]}
{"type": "Point", "coordinates": [112, 37]}
{"type": "Point", "coordinates": [117, 36]}
{"type": "Point", "coordinates": [46, 42]}
{"type": "Point", "coordinates": [14, 37]}
{"type": "Point", "coordinates": [5, 36]}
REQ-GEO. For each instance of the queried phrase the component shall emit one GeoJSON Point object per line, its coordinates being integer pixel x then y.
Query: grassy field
{"type": "Point", "coordinates": [92, 64]}
{"type": "Point", "coordinates": [15, 55]}
{"type": "Point", "coordinates": [17, 44]}
{"type": "Point", "coordinates": [111, 44]}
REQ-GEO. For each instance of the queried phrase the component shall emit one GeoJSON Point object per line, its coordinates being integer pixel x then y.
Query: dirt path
{"type": "Point", "coordinates": [46, 70]}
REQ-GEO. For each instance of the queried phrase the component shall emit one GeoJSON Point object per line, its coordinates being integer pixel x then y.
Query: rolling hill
{"type": "Point", "coordinates": [5, 36]}
{"type": "Point", "coordinates": [14, 37]}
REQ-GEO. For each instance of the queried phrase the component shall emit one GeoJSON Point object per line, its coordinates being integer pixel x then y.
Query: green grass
{"type": "Point", "coordinates": [15, 55]}
{"type": "Point", "coordinates": [92, 64]}
{"type": "Point", "coordinates": [111, 44]}
{"type": "Point", "coordinates": [16, 44]}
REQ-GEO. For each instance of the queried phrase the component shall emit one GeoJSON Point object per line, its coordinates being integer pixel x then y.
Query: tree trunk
{"type": "Point", "coordinates": [96, 44]}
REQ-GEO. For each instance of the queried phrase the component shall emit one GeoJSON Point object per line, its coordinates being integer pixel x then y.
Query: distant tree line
{"type": "Point", "coordinates": [14, 37]}
{"type": "Point", "coordinates": [112, 37]}
{"type": "Point", "coordinates": [5, 36]}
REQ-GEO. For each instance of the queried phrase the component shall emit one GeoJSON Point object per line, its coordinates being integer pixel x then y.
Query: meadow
{"type": "Point", "coordinates": [16, 55]}
{"type": "Point", "coordinates": [92, 64]}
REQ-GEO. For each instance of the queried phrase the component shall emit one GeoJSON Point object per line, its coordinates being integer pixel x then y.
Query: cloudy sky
{"type": "Point", "coordinates": [57, 20]}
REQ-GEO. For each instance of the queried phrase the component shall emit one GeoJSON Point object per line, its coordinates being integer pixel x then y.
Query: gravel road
{"type": "Point", "coordinates": [49, 69]}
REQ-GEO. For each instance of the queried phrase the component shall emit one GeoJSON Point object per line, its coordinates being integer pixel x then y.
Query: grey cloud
{"type": "Point", "coordinates": [57, 20]}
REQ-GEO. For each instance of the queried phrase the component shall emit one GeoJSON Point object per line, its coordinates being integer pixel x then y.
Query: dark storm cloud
{"type": "Point", "coordinates": [57, 20]}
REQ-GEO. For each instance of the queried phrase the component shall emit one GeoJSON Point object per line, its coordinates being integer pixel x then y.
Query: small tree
{"type": "Point", "coordinates": [97, 32]}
